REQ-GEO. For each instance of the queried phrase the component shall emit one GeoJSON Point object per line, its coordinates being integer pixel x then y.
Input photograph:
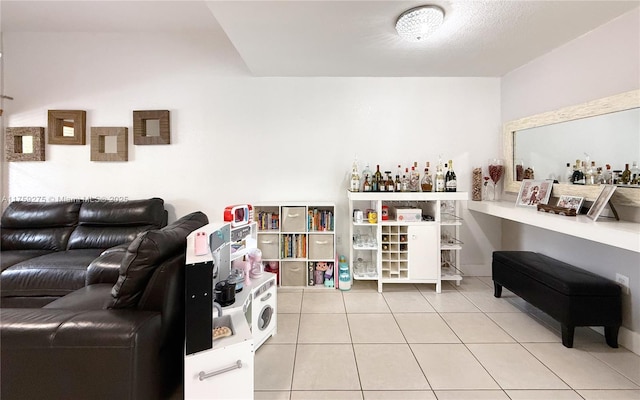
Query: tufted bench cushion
{"type": "Point", "coordinates": [571, 295]}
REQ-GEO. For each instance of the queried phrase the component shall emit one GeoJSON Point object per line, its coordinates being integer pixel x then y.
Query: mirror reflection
{"type": "Point", "coordinates": [110, 144]}
{"type": "Point", "coordinates": [603, 139]}
{"type": "Point", "coordinates": [23, 144]}
{"type": "Point", "coordinates": [67, 128]}
{"type": "Point", "coordinates": [152, 127]}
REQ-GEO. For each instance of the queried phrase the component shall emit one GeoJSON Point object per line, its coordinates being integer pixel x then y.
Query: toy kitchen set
{"type": "Point", "coordinates": [230, 307]}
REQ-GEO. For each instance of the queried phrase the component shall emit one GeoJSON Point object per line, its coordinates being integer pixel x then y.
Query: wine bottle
{"type": "Point", "coordinates": [625, 178]}
{"type": "Point", "coordinates": [378, 181]}
{"type": "Point", "coordinates": [427, 182]}
{"type": "Point", "coordinates": [398, 184]}
{"type": "Point", "coordinates": [450, 180]}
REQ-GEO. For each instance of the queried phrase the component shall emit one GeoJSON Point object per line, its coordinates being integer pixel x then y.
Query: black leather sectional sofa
{"type": "Point", "coordinates": [92, 300]}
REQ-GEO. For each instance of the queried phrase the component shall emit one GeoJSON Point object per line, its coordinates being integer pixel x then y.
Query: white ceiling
{"type": "Point", "coordinates": [339, 38]}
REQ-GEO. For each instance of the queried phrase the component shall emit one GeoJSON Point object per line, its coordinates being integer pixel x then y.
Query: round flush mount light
{"type": "Point", "coordinates": [416, 24]}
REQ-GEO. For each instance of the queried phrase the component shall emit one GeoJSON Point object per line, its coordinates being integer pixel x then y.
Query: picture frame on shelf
{"type": "Point", "coordinates": [572, 202]}
{"type": "Point", "coordinates": [601, 202]}
{"type": "Point", "coordinates": [534, 192]}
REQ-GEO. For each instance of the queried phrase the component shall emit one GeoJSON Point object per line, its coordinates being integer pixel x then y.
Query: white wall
{"type": "Point", "coordinates": [235, 138]}
{"type": "Point", "coordinates": [604, 62]}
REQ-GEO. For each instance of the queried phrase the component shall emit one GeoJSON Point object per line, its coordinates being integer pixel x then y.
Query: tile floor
{"type": "Point", "coordinates": [411, 343]}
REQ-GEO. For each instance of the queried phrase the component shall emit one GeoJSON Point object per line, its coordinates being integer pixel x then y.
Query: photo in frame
{"type": "Point", "coordinates": [601, 202]}
{"type": "Point", "coordinates": [534, 192]}
{"type": "Point", "coordinates": [572, 202]}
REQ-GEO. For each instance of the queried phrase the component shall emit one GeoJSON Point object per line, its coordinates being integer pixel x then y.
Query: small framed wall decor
{"type": "Point", "coordinates": [601, 202]}
{"type": "Point", "coordinates": [534, 192]}
{"type": "Point", "coordinates": [109, 144]}
{"type": "Point", "coordinates": [24, 144]}
{"type": "Point", "coordinates": [572, 202]}
{"type": "Point", "coordinates": [151, 127]}
{"type": "Point", "coordinates": [67, 127]}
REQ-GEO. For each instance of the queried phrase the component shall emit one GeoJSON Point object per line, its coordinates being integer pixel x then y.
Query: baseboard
{"type": "Point", "coordinates": [627, 338]}
{"type": "Point", "coordinates": [476, 270]}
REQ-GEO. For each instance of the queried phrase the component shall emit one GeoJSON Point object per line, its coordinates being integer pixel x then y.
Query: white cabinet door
{"type": "Point", "coordinates": [234, 383]}
{"type": "Point", "coordinates": [424, 244]}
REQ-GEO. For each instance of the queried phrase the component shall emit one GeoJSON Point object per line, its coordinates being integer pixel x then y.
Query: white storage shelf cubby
{"type": "Point", "coordinates": [418, 243]}
{"type": "Point", "coordinates": [297, 239]}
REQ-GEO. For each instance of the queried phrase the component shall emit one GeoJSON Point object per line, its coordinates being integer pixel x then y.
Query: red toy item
{"type": "Point", "coordinates": [238, 215]}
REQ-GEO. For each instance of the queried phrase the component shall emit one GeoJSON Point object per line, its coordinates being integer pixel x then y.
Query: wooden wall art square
{"type": "Point", "coordinates": [109, 144]}
{"type": "Point", "coordinates": [67, 127]}
{"type": "Point", "coordinates": [151, 127]}
{"type": "Point", "coordinates": [24, 144]}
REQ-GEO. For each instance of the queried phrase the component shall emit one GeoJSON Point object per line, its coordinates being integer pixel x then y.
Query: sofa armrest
{"type": "Point", "coordinates": [106, 268]}
{"type": "Point", "coordinates": [65, 354]}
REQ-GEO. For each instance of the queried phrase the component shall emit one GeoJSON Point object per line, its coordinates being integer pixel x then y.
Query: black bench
{"type": "Point", "coordinates": [570, 295]}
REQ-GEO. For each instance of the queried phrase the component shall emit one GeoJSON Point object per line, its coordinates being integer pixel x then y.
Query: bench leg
{"type": "Point", "coordinates": [497, 289]}
{"type": "Point", "coordinates": [611, 334]}
{"type": "Point", "coordinates": [567, 335]}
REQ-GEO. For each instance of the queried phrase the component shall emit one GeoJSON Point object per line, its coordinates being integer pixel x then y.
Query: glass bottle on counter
{"type": "Point", "coordinates": [607, 175]}
{"type": "Point", "coordinates": [625, 178]}
{"type": "Point", "coordinates": [439, 178]}
{"type": "Point", "coordinates": [355, 177]}
{"type": "Point", "coordinates": [366, 173]}
{"type": "Point", "coordinates": [568, 174]}
{"type": "Point", "coordinates": [404, 183]}
{"type": "Point", "coordinates": [590, 174]}
{"type": "Point", "coordinates": [398, 183]}
{"type": "Point", "coordinates": [390, 184]}
{"type": "Point", "coordinates": [366, 187]}
{"type": "Point", "coordinates": [379, 184]}
{"type": "Point", "coordinates": [427, 182]}
{"type": "Point", "coordinates": [450, 182]}
{"type": "Point", "coordinates": [635, 173]}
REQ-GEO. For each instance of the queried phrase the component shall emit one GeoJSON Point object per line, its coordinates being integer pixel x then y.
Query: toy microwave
{"type": "Point", "coordinates": [238, 215]}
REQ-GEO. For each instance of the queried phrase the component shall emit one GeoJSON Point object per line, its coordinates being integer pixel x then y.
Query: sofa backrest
{"type": "Point", "coordinates": [142, 260]}
{"type": "Point", "coordinates": [104, 224]}
{"type": "Point", "coordinates": [38, 226]}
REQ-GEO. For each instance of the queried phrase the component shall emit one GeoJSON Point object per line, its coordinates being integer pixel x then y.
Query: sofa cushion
{"type": "Point", "coordinates": [38, 226]}
{"type": "Point", "coordinates": [106, 224]}
{"type": "Point", "coordinates": [106, 268]}
{"type": "Point", "coordinates": [147, 252]}
{"type": "Point", "coordinates": [11, 257]}
{"type": "Point", "coordinates": [54, 274]}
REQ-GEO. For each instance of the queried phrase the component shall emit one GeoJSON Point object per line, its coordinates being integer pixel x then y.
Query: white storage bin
{"type": "Point", "coordinates": [294, 219]}
{"type": "Point", "coordinates": [321, 247]}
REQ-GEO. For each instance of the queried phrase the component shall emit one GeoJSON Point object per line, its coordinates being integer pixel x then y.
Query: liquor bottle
{"type": "Point", "coordinates": [378, 181]}
{"type": "Point", "coordinates": [568, 173]}
{"type": "Point", "coordinates": [635, 173]}
{"type": "Point", "coordinates": [450, 182]}
{"type": "Point", "coordinates": [607, 175]}
{"type": "Point", "coordinates": [590, 174]}
{"type": "Point", "coordinates": [625, 178]}
{"type": "Point", "coordinates": [427, 182]}
{"type": "Point", "coordinates": [398, 184]}
{"type": "Point", "coordinates": [439, 178]}
{"type": "Point", "coordinates": [578, 176]}
{"type": "Point", "coordinates": [366, 172]}
{"type": "Point", "coordinates": [414, 178]}
{"type": "Point", "coordinates": [355, 177]}
{"type": "Point", "coordinates": [599, 176]}
{"type": "Point", "coordinates": [366, 186]}
{"type": "Point", "coordinates": [390, 184]}
{"type": "Point", "coordinates": [404, 183]}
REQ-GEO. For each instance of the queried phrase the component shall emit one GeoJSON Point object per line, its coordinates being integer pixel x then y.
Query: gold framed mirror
{"type": "Point", "coordinates": [67, 127]}
{"type": "Point", "coordinates": [625, 101]}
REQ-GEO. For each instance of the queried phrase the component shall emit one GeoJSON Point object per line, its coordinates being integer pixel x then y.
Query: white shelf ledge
{"type": "Point", "coordinates": [621, 234]}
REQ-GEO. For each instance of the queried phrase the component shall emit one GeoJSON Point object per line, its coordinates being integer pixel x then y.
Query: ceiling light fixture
{"type": "Point", "coordinates": [416, 24]}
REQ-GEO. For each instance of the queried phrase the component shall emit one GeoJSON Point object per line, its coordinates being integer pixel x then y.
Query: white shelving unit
{"type": "Point", "coordinates": [299, 236]}
{"type": "Point", "coordinates": [406, 251]}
